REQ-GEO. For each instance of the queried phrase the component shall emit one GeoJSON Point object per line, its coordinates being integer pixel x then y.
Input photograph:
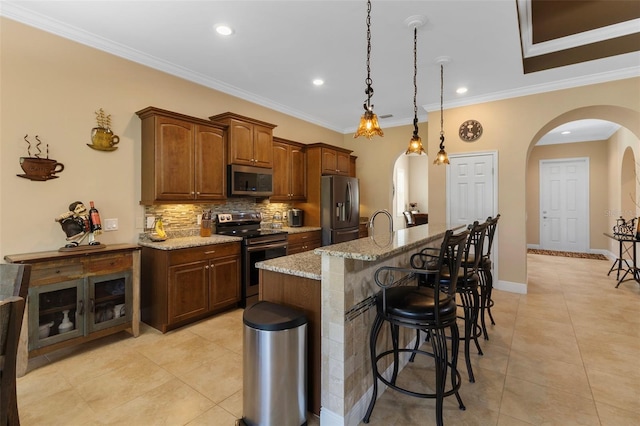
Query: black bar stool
{"type": "Point", "coordinates": [467, 287]}
{"type": "Point", "coordinates": [402, 303]}
{"type": "Point", "coordinates": [486, 276]}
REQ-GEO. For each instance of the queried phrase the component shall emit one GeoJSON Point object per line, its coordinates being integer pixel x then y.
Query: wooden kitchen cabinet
{"type": "Point", "coordinates": [183, 158]}
{"type": "Point", "coordinates": [86, 288]}
{"type": "Point", "coordinates": [335, 162]}
{"type": "Point", "coordinates": [250, 141]}
{"type": "Point", "coordinates": [289, 171]}
{"type": "Point", "coordinates": [319, 156]}
{"type": "Point", "coordinates": [184, 285]}
{"type": "Point", "coordinates": [303, 241]}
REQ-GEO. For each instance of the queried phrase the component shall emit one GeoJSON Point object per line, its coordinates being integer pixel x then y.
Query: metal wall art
{"type": "Point", "coordinates": [102, 138]}
{"type": "Point", "coordinates": [37, 168]}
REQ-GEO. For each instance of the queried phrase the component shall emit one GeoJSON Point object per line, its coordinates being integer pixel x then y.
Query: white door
{"type": "Point", "coordinates": [564, 204]}
{"type": "Point", "coordinates": [471, 188]}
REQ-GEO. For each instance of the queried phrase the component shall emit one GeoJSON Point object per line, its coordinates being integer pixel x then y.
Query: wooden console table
{"type": "Point", "coordinates": [78, 296]}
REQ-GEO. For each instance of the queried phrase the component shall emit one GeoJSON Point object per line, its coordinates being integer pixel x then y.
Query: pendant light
{"type": "Point", "coordinates": [442, 157]}
{"type": "Point", "coordinates": [369, 126]}
{"type": "Point", "coordinates": [415, 144]}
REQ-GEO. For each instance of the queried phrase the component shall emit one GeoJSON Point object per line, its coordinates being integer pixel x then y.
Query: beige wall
{"type": "Point", "coordinates": [597, 153]}
{"type": "Point", "coordinates": [51, 87]}
{"type": "Point", "coordinates": [511, 127]}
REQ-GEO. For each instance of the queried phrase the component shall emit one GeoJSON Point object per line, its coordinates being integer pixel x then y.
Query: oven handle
{"type": "Point", "coordinates": [265, 247]}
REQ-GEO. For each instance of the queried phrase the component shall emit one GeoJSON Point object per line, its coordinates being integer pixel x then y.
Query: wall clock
{"type": "Point", "coordinates": [470, 130]}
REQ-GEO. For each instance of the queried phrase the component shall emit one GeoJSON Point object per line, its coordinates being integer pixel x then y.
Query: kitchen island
{"type": "Point", "coordinates": [335, 287]}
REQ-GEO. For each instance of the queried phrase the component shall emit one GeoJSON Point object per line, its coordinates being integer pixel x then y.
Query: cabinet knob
{"type": "Point", "coordinates": [192, 192]}
{"type": "Point", "coordinates": [206, 267]}
{"type": "Point", "coordinates": [198, 193]}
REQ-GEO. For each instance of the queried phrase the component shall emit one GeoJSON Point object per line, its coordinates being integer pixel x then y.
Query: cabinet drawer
{"type": "Point", "coordinates": [196, 254]}
{"type": "Point", "coordinates": [108, 264]}
{"type": "Point", "coordinates": [54, 273]}
{"type": "Point", "coordinates": [304, 237]}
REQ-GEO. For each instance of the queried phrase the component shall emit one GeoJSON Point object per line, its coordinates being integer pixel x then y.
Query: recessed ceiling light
{"type": "Point", "coordinates": [461, 90]}
{"type": "Point", "coordinates": [566, 132]}
{"type": "Point", "coordinates": [318, 82]}
{"type": "Point", "coordinates": [224, 30]}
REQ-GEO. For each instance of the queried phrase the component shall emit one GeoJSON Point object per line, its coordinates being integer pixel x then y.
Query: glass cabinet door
{"type": "Point", "coordinates": [109, 300]}
{"type": "Point", "coordinates": [56, 313]}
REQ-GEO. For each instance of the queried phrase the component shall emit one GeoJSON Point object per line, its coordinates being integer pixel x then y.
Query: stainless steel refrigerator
{"type": "Point", "coordinates": [340, 209]}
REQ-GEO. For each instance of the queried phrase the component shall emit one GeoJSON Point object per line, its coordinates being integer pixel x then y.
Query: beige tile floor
{"type": "Point", "coordinates": [566, 353]}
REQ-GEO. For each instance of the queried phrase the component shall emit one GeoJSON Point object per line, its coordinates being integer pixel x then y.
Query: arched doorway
{"type": "Point", "coordinates": [411, 186]}
{"type": "Point", "coordinates": [612, 168]}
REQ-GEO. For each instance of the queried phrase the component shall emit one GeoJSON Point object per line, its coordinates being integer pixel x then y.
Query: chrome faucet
{"type": "Point", "coordinates": [377, 212]}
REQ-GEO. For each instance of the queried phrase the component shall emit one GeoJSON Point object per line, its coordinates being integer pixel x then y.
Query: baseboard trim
{"type": "Point", "coordinates": [511, 287]}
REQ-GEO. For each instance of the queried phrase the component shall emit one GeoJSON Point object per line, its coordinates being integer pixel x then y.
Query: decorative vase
{"type": "Point", "coordinates": [66, 324]}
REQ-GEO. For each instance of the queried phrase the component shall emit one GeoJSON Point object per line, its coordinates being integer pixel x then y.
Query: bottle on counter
{"type": "Point", "coordinates": [638, 230]}
{"type": "Point", "coordinates": [94, 219]}
{"type": "Point", "coordinates": [205, 224]}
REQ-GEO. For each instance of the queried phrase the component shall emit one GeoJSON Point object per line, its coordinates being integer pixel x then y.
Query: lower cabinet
{"type": "Point", "coordinates": [303, 241]}
{"type": "Point", "coordinates": [184, 285]}
{"type": "Point", "coordinates": [78, 296]}
{"type": "Point", "coordinates": [78, 308]}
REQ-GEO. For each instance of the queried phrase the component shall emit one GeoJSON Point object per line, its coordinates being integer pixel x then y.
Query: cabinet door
{"type": "Point", "coordinates": [110, 300]}
{"type": "Point", "coordinates": [187, 291]}
{"type": "Point", "coordinates": [263, 146]}
{"type": "Point", "coordinates": [298, 167]}
{"type": "Point", "coordinates": [240, 143]}
{"type": "Point", "coordinates": [56, 313]}
{"type": "Point", "coordinates": [224, 287]}
{"type": "Point", "coordinates": [342, 161]}
{"type": "Point", "coordinates": [281, 172]}
{"type": "Point", "coordinates": [174, 162]}
{"type": "Point", "coordinates": [329, 161]}
{"type": "Point", "coordinates": [210, 171]}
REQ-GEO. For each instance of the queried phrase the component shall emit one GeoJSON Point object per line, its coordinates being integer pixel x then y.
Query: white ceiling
{"type": "Point", "coordinates": [279, 47]}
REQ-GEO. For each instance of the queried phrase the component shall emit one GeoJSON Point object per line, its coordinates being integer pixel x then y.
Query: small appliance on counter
{"type": "Point", "coordinates": [295, 217]}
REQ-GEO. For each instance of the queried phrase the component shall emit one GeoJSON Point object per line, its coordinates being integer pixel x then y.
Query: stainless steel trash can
{"type": "Point", "coordinates": [274, 366]}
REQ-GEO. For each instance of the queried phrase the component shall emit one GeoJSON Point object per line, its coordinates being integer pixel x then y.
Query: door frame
{"type": "Point", "coordinates": [587, 182]}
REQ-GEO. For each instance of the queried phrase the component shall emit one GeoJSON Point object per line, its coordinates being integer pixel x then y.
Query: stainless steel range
{"type": "Point", "coordinates": [257, 245]}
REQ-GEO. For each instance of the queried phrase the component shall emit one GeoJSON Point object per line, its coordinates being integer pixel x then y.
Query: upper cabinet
{"type": "Point", "coordinates": [289, 171]}
{"type": "Point", "coordinates": [335, 162]}
{"type": "Point", "coordinates": [250, 140]}
{"type": "Point", "coordinates": [183, 158]}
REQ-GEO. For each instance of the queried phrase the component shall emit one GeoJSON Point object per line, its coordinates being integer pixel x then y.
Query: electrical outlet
{"type": "Point", "coordinates": [111, 224]}
{"type": "Point", "coordinates": [150, 221]}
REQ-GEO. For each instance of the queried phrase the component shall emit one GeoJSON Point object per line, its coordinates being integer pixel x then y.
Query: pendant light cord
{"type": "Point", "coordinates": [368, 81]}
{"type": "Point", "coordinates": [441, 108]}
{"type": "Point", "coordinates": [415, 82]}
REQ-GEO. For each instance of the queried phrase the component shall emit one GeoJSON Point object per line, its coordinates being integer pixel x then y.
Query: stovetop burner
{"type": "Point", "coordinates": [243, 224]}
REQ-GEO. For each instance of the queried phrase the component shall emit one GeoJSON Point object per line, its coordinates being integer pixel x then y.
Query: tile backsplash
{"type": "Point", "coordinates": [182, 217]}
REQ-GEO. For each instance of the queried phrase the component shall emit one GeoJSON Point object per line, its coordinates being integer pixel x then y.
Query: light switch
{"type": "Point", "coordinates": [111, 224]}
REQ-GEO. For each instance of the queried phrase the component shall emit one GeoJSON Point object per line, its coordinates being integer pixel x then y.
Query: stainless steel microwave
{"type": "Point", "coordinates": [249, 181]}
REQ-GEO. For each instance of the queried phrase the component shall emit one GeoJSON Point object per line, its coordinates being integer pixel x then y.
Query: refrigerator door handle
{"type": "Point", "coordinates": [349, 202]}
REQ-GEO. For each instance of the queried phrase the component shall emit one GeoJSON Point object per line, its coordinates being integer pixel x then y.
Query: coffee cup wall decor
{"type": "Point", "coordinates": [37, 168]}
{"type": "Point", "coordinates": [102, 137]}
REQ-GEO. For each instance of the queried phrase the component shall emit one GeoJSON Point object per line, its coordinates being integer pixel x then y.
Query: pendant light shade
{"type": "Point", "coordinates": [368, 126]}
{"type": "Point", "coordinates": [442, 157]}
{"type": "Point", "coordinates": [415, 144]}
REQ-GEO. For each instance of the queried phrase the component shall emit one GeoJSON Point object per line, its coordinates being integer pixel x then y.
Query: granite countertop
{"type": "Point", "coordinates": [191, 238]}
{"type": "Point", "coordinates": [381, 244]}
{"type": "Point", "coordinates": [309, 264]}
{"type": "Point", "coordinates": [186, 242]}
{"type": "Point", "coordinates": [306, 264]}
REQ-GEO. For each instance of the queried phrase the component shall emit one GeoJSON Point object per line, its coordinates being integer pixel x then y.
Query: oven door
{"type": "Point", "coordinates": [251, 279]}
